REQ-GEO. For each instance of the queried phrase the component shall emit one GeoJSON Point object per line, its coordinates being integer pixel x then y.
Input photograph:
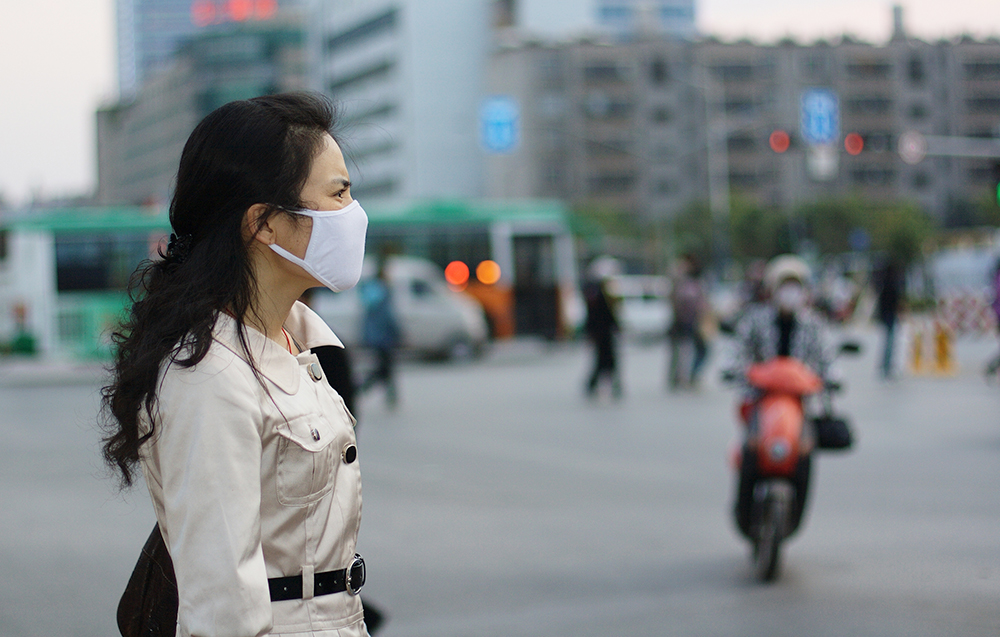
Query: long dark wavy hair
{"type": "Point", "coordinates": [244, 153]}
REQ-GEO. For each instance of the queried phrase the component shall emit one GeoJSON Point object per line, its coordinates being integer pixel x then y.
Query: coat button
{"type": "Point", "coordinates": [315, 434]}
{"type": "Point", "coordinates": [315, 371]}
{"type": "Point", "coordinates": [350, 454]}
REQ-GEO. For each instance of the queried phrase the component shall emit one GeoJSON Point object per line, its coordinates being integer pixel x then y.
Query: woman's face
{"type": "Point", "coordinates": [327, 188]}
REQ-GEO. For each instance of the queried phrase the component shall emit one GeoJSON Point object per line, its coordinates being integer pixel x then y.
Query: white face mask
{"type": "Point", "coordinates": [790, 297]}
{"type": "Point", "coordinates": [336, 247]}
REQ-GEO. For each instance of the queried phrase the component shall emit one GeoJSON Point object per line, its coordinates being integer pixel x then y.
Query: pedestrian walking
{"type": "Point", "coordinates": [250, 460]}
{"type": "Point", "coordinates": [888, 282]}
{"type": "Point", "coordinates": [994, 364]}
{"type": "Point", "coordinates": [380, 333]}
{"type": "Point", "coordinates": [602, 329]}
{"type": "Point", "coordinates": [687, 335]}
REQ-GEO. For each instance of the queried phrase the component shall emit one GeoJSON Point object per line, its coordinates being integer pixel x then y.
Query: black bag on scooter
{"type": "Point", "coordinates": [832, 433]}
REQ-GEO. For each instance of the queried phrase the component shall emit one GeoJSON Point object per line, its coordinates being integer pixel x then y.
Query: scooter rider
{"type": "Point", "coordinates": [784, 326]}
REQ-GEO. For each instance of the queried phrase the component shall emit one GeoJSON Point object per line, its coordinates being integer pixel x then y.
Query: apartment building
{"type": "Point", "coordinates": [150, 32]}
{"type": "Point", "coordinates": [653, 124]}
{"type": "Point", "coordinates": [139, 140]}
{"type": "Point", "coordinates": [408, 76]}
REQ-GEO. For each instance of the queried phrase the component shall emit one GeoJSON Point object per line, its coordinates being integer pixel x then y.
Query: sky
{"type": "Point", "coordinates": [57, 65]}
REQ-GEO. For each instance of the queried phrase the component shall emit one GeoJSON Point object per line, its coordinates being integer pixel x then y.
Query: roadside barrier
{"type": "Point", "coordinates": [932, 347]}
{"type": "Point", "coordinates": [967, 312]}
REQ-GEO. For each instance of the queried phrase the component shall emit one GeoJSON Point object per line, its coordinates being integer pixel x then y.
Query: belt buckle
{"type": "Point", "coordinates": [350, 577]}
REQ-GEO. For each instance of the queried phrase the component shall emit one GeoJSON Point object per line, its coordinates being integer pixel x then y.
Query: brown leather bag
{"type": "Point", "coordinates": [148, 607]}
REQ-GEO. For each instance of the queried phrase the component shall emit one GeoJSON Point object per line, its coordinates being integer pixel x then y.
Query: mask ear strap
{"type": "Point", "coordinates": [301, 263]}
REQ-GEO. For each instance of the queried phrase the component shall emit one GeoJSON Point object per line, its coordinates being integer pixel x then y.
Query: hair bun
{"type": "Point", "coordinates": [178, 248]}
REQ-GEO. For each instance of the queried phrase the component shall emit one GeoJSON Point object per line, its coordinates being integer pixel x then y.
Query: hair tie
{"type": "Point", "coordinates": [178, 248]}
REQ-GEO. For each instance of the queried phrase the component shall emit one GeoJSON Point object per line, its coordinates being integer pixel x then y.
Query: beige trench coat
{"type": "Point", "coordinates": [250, 482]}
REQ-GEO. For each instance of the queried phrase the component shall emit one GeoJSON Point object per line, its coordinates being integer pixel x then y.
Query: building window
{"type": "Point", "coordinates": [97, 261]}
{"type": "Point", "coordinates": [608, 148]}
{"type": "Point", "coordinates": [553, 175]}
{"type": "Point", "coordinates": [983, 104]}
{"type": "Point", "coordinates": [869, 70]}
{"type": "Point", "coordinates": [659, 72]}
{"type": "Point", "coordinates": [552, 106]}
{"type": "Point", "coordinates": [668, 13]}
{"type": "Point", "coordinates": [814, 66]}
{"type": "Point", "coordinates": [665, 187]}
{"type": "Point", "coordinates": [869, 106]}
{"type": "Point", "coordinates": [378, 111]}
{"type": "Point", "coordinates": [383, 148]}
{"type": "Point", "coordinates": [740, 106]}
{"type": "Point", "coordinates": [918, 111]}
{"type": "Point", "coordinates": [981, 175]}
{"type": "Point", "coordinates": [600, 106]}
{"type": "Point", "coordinates": [379, 188]}
{"type": "Point", "coordinates": [916, 70]}
{"type": "Point", "coordinates": [377, 25]}
{"type": "Point", "coordinates": [661, 115]}
{"type": "Point", "coordinates": [366, 74]}
{"type": "Point", "coordinates": [733, 72]}
{"type": "Point", "coordinates": [662, 152]}
{"type": "Point", "coordinates": [611, 183]}
{"type": "Point", "coordinates": [602, 72]}
{"type": "Point", "coordinates": [878, 142]}
{"type": "Point", "coordinates": [614, 14]}
{"type": "Point", "coordinates": [550, 68]}
{"type": "Point", "coordinates": [983, 70]}
{"type": "Point", "coordinates": [742, 143]}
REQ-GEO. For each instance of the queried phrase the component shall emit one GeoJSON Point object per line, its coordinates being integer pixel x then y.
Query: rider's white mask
{"type": "Point", "coordinates": [790, 297]}
{"type": "Point", "coordinates": [336, 249]}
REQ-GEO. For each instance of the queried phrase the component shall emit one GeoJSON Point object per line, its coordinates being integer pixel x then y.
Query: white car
{"type": "Point", "coordinates": [644, 311]}
{"type": "Point", "coordinates": [435, 320]}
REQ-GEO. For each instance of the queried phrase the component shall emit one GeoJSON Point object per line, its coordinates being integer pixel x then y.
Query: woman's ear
{"type": "Point", "coordinates": [256, 224]}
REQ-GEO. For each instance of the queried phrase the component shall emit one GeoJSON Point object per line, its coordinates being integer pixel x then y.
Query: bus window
{"type": "Point", "coordinates": [97, 262]}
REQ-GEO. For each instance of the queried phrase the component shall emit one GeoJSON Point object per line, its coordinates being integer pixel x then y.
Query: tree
{"type": "Point", "coordinates": [692, 232]}
{"type": "Point", "coordinates": [898, 229]}
{"type": "Point", "coordinates": [757, 232]}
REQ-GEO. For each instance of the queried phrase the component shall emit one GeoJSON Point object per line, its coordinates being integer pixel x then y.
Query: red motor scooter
{"type": "Point", "coordinates": [774, 463]}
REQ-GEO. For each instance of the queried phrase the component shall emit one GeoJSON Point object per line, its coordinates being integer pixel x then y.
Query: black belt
{"type": "Point", "coordinates": [350, 579]}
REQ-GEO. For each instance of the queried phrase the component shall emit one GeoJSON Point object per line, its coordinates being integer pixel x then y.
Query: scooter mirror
{"type": "Point", "coordinates": [850, 347]}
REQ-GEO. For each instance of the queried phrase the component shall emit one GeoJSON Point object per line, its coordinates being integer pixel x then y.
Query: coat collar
{"type": "Point", "coordinates": [275, 362]}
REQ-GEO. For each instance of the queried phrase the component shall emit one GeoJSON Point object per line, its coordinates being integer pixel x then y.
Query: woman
{"type": "Point", "coordinates": [249, 458]}
{"type": "Point", "coordinates": [786, 326]}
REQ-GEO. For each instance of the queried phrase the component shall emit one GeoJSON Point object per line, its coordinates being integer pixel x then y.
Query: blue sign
{"type": "Point", "coordinates": [499, 124]}
{"type": "Point", "coordinates": [820, 117]}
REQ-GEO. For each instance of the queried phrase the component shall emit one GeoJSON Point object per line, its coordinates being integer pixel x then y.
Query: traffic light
{"type": "Point", "coordinates": [779, 141]}
{"type": "Point", "coordinates": [854, 143]}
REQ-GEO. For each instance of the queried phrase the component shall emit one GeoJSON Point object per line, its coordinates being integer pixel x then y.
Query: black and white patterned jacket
{"type": "Point", "coordinates": [757, 339]}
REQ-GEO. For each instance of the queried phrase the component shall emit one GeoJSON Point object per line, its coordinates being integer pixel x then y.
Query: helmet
{"type": "Point", "coordinates": [783, 268]}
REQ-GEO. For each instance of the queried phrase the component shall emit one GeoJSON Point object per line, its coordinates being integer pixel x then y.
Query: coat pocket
{"type": "Point", "coordinates": [305, 459]}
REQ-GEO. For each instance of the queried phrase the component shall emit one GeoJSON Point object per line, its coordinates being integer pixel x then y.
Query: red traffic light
{"type": "Point", "coordinates": [779, 141]}
{"type": "Point", "coordinates": [854, 144]}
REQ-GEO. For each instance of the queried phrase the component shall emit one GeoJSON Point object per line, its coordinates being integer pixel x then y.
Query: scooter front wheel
{"type": "Point", "coordinates": [768, 534]}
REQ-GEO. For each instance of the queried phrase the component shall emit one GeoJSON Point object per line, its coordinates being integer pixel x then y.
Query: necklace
{"type": "Point", "coordinates": [287, 340]}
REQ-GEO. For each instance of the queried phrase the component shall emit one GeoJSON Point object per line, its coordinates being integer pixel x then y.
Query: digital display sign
{"type": "Point", "coordinates": [209, 12]}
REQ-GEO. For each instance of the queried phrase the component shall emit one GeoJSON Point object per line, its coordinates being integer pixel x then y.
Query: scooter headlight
{"type": "Point", "coordinates": [778, 450]}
